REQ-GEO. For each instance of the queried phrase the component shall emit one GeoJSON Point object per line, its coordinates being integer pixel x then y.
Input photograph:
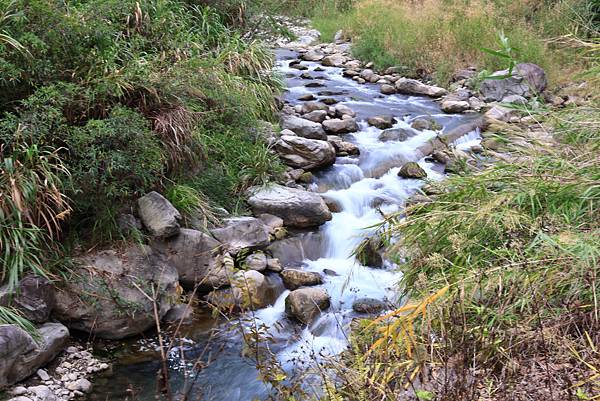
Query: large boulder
{"type": "Point", "coordinates": [343, 148]}
{"type": "Point", "coordinates": [242, 232]}
{"type": "Point", "coordinates": [313, 55]}
{"type": "Point", "coordinates": [308, 107]}
{"type": "Point", "coordinates": [297, 208]}
{"type": "Point", "coordinates": [21, 355]}
{"type": "Point", "coordinates": [340, 126]}
{"type": "Point", "coordinates": [409, 86]}
{"type": "Point", "coordinates": [396, 134]}
{"type": "Point", "coordinates": [111, 293]}
{"type": "Point", "coordinates": [249, 290]}
{"type": "Point", "coordinates": [455, 106]}
{"type": "Point", "coordinates": [33, 297]}
{"type": "Point", "coordinates": [334, 60]}
{"type": "Point", "coordinates": [305, 153]}
{"type": "Point", "coordinates": [305, 304]}
{"type": "Point", "coordinates": [158, 215]}
{"type": "Point", "coordinates": [303, 127]}
{"type": "Point", "coordinates": [381, 122]}
{"type": "Point", "coordinates": [198, 259]}
{"type": "Point", "coordinates": [526, 80]}
{"type": "Point", "coordinates": [294, 278]}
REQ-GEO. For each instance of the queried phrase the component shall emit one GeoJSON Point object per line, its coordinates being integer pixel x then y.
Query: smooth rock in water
{"type": "Point", "coordinates": [455, 106]}
{"type": "Point", "coordinates": [343, 148]}
{"type": "Point", "coordinates": [369, 252]}
{"type": "Point", "coordinates": [366, 74]}
{"type": "Point", "coordinates": [409, 86]}
{"type": "Point", "coordinates": [297, 208]}
{"type": "Point", "coordinates": [305, 304]}
{"type": "Point", "coordinates": [21, 356]}
{"type": "Point", "coordinates": [350, 73]}
{"type": "Point", "coordinates": [158, 215]}
{"type": "Point", "coordinates": [334, 60]}
{"type": "Point", "coordinates": [197, 258]}
{"type": "Point", "coordinates": [381, 122]}
{"type": "Point", "coordinates": [180, 313]}
{"type": "Point", "coordinates": [340, 126]}
{"type": "Point", "coordinates": [300, 67]}
{"type": "Point", "coordinates": [396, 134]}
{"type": "Point", "coordinates": [307, 97]}
{"type": "Point", "coordinates": [249, 290]}
{"type": "Point", "coordinates": [242, 232]}
{"type": "Point", "coordinates": [294, 278]}
{"type": "Point", "coordinates": [527, 80]}
{"type": "Point", "coordinates": [329, 101]}
{"type": "Point", "coordinates": [315, 84]}
{"type": "Point", "coordinates": [256, 261]}
{"type": "Point", "coordinates": [343, 110]}
{"type": "Point", "coordinates": [312, 106]}
{"type": "Point", "coordinates": [302, 127]}
{"type": "Point", "coordinates": [330, 272]}
{"type": "Point", "coordinates": [292, 251]}
{"type": "Point", "coordinates": [313, 55]}
{"type": "Point", "coordinates": [118, 287]}
{"type": "Point", "coordinates": [422, 123]}
{"type": "Point", "coordinates": [387, 89]}
{"type": "Point", "coordinates": [304, 153]}
{"type": "Point", "coordinates": [317, 116]}
{"type": "Point", "coordinates": [368, 305]}
{"type": "Point", "coordinates": [33, 297]}
{"type": "Point", "coordinates": [412, 170]}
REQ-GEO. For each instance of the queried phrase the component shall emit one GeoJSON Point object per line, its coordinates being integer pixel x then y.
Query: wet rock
{"type": "Point", "coordinates": [110, 292]}
{"type": "Point", "coordinates": [396, 134]}
{"type": "Point", "coordinates": [381, 122]}
{"type": "Point", "coordinates": [351, 73]}
{"type": "Point", "coordinates": [409, 86]}
{"type": "Point", "coordinates": [334, 60]}
{"type": "Point", "coordinates": [369, 252]}
{"type": "Point", "coordinates": [329, 272]}
{"type": "Point", "coordinates": [369, 306]}
{"type": "Point", "coordinates": [455, 106]}
{"type": "Point", "coordinates": [387, 89]}
{"type": "Point", "coordinates": [21, 355]}
{"type": "Point", "coordinates": [292, 251]}
{"type": "Point", "coordinates": [297, 208]}
{"type": "Point", "coordinates": [313, 55]}
{"type": "Point", "coordinates": [33, 297]}
{"type": "Point", "coordinates": [422, 123]}
{"type": "Point", "coordinates": [340, 126]}
{"type": "Point", "coordinates": [249, 290]}
{"type": "Point", "coordinates": [197, 258]}
{"type": "Point", "coordinates": [343, 148]}
{"type": "Point", "coordinates": [343, 110]}
{"type": "Point", "coordinates": [306, 75]}
{"type": "Point", "coordinates": [294, 278]}
{"type": "Point", "coordinates": [242, 232]}
{"type": "Point", "coordinates": [329, 101]}
{"type": "Point", "coordinates": [159, 216]}
{"type": "Point", "coordinates": [304, 128]}
{"type": "Point", "coordinates": [312, 106]}
{"type": "Point", "coordinates": [307, 97]}
{"type": "Point", "coordinates": [180, 313]}
{"type": "Point", "coordinates": [527, 80]}
{"type": "Point", "coordinates": [412, 170]}
{"type": "Point", "coordinates": [305, 153]}
{"type": "Point", "coordinates": [317, 116]}
{"type": "Point", "coordinates": [300, 67]}
{"type": "Point", "coordinates": [315, 84]}
{"type": "Point", "coordinates": [256, 261]}
{"type": "Point", "coordinates": [305, 304]}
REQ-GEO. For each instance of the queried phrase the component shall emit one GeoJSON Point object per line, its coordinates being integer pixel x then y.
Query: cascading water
{"type": "Point", "coordinates": [364, 188]}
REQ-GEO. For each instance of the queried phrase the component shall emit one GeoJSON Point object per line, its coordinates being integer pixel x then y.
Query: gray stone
{"type": "Point", "coordinates": [368, 306]}
{"type": "Point", "coordinates": [387, 89]}
{"type": "Point", "coordinates": [274, 264]}
{"type": "Point", "coordinates": [272, 222]}
{"type": "Point", "coordinates": [409, 86]}
{"type": "Point", "coordinates": [334, 60]}
{"type": "Point", "coordinates": [249, 290]}
{"type": "Point", "coordinates": [294, 278]}
{"type": "Point", "coordinates": [501, 114]}
{"type": "Point", "coordinates": [340, 126]}
{"type": "Point", "coordinates": [110, 292]}
{"type": "Point", "coordinates": [292, 251]}
{"type": "Point", "coordinates": [297, 208]}
{"type": "Point", "coordinates": [21, 355]}
{"type": "Point", "coordinates": [43, 375]}
{"type": "Point", "coordinates": [82, 385]}
{"type": "Point", "coordinates": [43, 393]}
{"type": "Point", "coordinates": [256, 261]}
{"type": "Point", "coordinates": [180, 313]}
{"type": "Point", "coordinates": [33, 297]}
{"type": "Point", "coordinates": [158, 215]}
{"type": "Point", "coordinates": [455, 106]}
{"type": "Point", "coordinates": [308, 107]}
{"type": "Point", "coordinates": [304, 153]}
{"type": "Point", "coordinates": [396, 134]}
{"type": "Point", "coordinates": [343, 148]}
{"type": "Point", "coordinates": [242, 232]}
{"type": "Point", "coordinates": [343, 110]}
{"type": "Point", "coordinates": [317, 116]}
{"type": "Point", "coordinates": [526, 80]}
{"type": "Point", "coordinates": [304, 128]}
{"type": "Point", "coordinates": [305, 304]}
{"type": "Point", "coordinates": [381, 122]}
{"type": "Point", "coordinates": [412, 170]}
{"type": "Point", "coordinates": [422, 123]}
{"type": "Point", "coordinates": [197, 258]}
{"type": "Point", "coordinates": [313, 55]}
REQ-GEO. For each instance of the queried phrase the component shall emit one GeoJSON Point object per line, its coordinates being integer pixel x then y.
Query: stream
{"type": "Point", "coordinates": [364, 187]}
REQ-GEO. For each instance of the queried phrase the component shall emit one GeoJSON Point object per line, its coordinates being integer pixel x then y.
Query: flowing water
{"type": "Point", "coordinates": [365, 188]}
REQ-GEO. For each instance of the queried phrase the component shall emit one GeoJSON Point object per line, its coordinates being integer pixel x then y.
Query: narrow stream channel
{"type": "Point", "coordinates": [364, 187]}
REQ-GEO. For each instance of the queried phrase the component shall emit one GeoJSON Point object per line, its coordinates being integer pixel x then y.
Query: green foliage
{"type": "Point", "coordinates": [10, 315]}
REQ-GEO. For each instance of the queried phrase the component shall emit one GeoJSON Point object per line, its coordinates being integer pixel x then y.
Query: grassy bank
{"type": "Point", "coordinates": [102, 101]}
{"type": "Point", "coordinates": [434, 38]}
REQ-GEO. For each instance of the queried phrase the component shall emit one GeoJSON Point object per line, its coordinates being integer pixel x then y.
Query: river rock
{"type": "Point", "coordinates": [313, 55]}
{"type": "Point", "coordinates": [422, 123]}
{"type": "Point", "coordinates": [343, 148]}
{"type": "Point", "coordinates": [197, 258]}
{"type": "Point", "coordinates": [158, 215]}
{"type": "Point", "coordinates": [307, 107]}
{"type": "Point", "coordinates": [21, 355]}
{"type": "Point", "coordinates": [387, 89]}
{"type": "Point", "coordinates": [305, 304]}
{"type": "Point", "coordinates": [340, 126]}
{"type": "Point", "coordinates": [369, 252]}
{"type": "Point", "coordinates": [242, 232]}
{"type": "Point", "coordinates": [343, 110]}
{"type": "Point", "coordinates": [82, 385]}
{"type": "Point", "coordinates": [396, 134]}
{"type": "Point", "coordinates": [455, 106]}
{"type": "Point", "coordinates": [304, 153]}
{"type": "Point", "coordinates": [304, 128]}
{"type": "Point", "coordinates": [293, 250]}
{"type": "Point", "coordinates": [297, 208]}
{"type": "Point", "coordinates": [317, 116]}
{"type": "Point", "coordinates": [294, 278]}
{"type": "Point", "coordinates": [527, 79]}
{"type": "Point", "coordinates": [249, 290]}
{"type": "Point", "coordinates": [33, 297]}
{"type": "Point", "coordinates": [369, 306]}
{"type": "Point", "coordinates": [110, 292]}
{"type": "Point", "coordinates": [273, 223]}
{"type": "Point", "coordinates": [306, 97]}
{"type": "Point", "coordinates": [334, 60]}
{"type": "Point", "coordinates": [256, 261]}
{"type": "Point", "coordinates": [409, 86]}
{"type": "Point", "coordinates": [500, 113]}
{"type": "Point", "coordinates": [180, 313]}
{"type": "Point", "coordinates": [412, 170]}
{"type": "Point", "coordinates": [381, 122]}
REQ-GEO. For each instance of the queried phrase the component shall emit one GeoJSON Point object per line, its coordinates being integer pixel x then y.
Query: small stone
{"type": "Point", "coordinates": [71, 350]}
{"type": "Point", "coordinates": [72, 376]}
{"type": "Point", "coordinates": [83, 385]}
{"type": "Point", "coordinates": [412, 170]}
{"type": "Point", "coordinates": [20, 390]}
{"type": "Point", "coordinates": [103, 366]}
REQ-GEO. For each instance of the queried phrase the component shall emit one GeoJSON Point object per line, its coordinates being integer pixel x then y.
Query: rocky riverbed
{"type": "Point", "coordinates": [359, 144]}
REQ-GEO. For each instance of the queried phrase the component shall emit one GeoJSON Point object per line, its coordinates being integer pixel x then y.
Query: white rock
{"type": "Point", "coordinates": [42, 374]}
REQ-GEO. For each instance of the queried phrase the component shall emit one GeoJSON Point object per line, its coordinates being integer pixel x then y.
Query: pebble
{"type": "Point", "coordinates": [42, 374]}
